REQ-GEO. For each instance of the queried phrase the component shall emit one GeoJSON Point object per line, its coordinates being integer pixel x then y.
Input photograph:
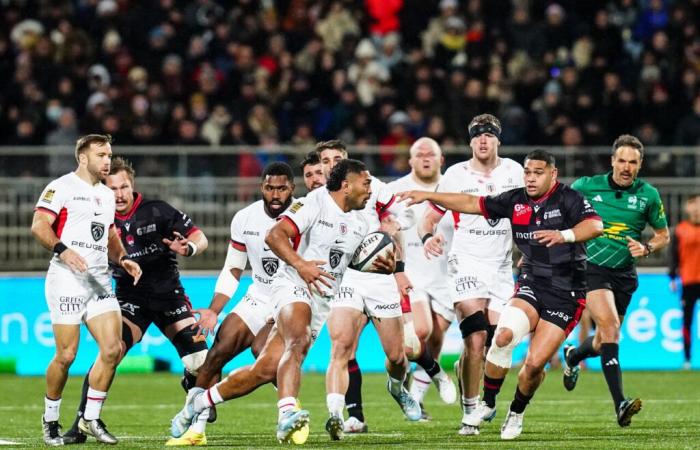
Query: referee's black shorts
{"type": "Point", "coordinates": [622, 282]}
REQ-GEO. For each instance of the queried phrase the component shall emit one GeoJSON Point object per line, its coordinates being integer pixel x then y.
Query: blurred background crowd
{"type": "Point", "coordinates": [371, 72]}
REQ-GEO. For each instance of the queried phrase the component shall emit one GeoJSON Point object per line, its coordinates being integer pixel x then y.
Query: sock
{"type": "Point", "coordinates": [395, 385]}
{"type": "Point", "coordinates": [188, 380]}
{"type": "Point", "coordinates": [335, 403]}
{"type": "Point", "coordinates": [610, 362]}
{"type": "Point", "coordinates": [420, 385]}
{"type": "Point", "coordinates": [207, 399]}
{"type": "Point", "coordinates": [469, 404]}
{"type": "Point", "coordinates": [200, 425]}
{"type": "Point", "coordinates": [286, 404]}
{"type": "Point", "coordinates": [520, 401]}
{"type": "Point", "coordinates": [83, 400]}
{"type": "Point", "coordinates": [492, 386]}
{"type": "Point", "coordinates": [353, 397]}
{"type": "Point", "coordinates": [426, 361]}
{"type": "Point", "coordinates": [583, 351]}
{"type": "Point", "coordinates": [51, 409]}
{"type": "Point", "coordinates": [95, 399]}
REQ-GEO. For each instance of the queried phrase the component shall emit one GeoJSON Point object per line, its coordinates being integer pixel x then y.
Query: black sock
{"type": "Point", "coordinates": [353, 397]}
{"type": "Point", "coordinates": [583, 351]}
{"type": "Point", "coordinates": [188, 380]}
{"type": "Point", "coordinates": [426, 361]}
{"type": "Point", "coordinates": [610, 362]}
{"type": "Point", "coordinates": [492, 386]}
{"type": "Point", "coordinates": [83, 400]}
{"type": "Point", "coordinates": [520, 401]}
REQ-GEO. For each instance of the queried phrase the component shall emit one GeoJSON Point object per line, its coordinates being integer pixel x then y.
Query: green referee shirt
{"type": "Point", "coordinates": [625, 212]}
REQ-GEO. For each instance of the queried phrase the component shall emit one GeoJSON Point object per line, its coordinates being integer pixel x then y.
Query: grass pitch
{"type": "Point", "coordinates": [140, 407]}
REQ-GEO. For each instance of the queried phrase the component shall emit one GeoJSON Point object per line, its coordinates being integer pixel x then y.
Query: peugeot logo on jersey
{"type": "Point", "coordinates": [270, 265]}
{"type": "Point", "coordinates": [98, 230]}
{"type": "Point", "coordinates": [334, 257]}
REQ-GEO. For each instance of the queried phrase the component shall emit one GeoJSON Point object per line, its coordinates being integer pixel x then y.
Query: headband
{"type": "Point", "coordinates": [481, 128]}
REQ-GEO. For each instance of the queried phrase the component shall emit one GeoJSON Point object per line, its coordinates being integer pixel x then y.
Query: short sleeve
{"type": "Point", "coordinates": [53, 198]}
{"type": "Point", "coordinates": [302, 213]}
{"type": "Point", "coordinates": [386, 202]}
{"type": "Point", "coordinates": [177, 220]}
{"type": "Point", "coordinates": [578, 208]}
{"type": "Point", "coordinates": [656, 215]}
{"type": "Point", "coordinates": [498, 206]}
{"type": "Point", "coordinates": [579, 184]}
{"type": "Point", "coordinates": [237, 226]}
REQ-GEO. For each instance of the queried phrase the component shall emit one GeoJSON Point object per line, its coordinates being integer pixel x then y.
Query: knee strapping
{"type": "Point", "coordinates": [127, 336]}
{"type": "Point", "coordinates": [474, 323]}
{"type": "Point", "coordinates": [490, 333]}
{"type": "Point", "coordinates": [516, 321]}
{"type": "Point", "coordinates": [191, 348]}
{"type": "Point", "coordinates": [194, 361]}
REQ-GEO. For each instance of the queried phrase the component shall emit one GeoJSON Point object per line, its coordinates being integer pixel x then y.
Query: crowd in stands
{"type": "Point", "coordinates": [265, 72]}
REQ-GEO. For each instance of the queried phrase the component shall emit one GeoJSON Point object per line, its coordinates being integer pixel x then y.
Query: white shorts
{"type": "Point", "coordinates": [76, 298]}
{"type": "Point", "coordinates": [376, 295]}
{"type": "Point", "coordinates": [286, 292]}
{"type": "Point", "coordinates": [438, 298]}
{"type": "Point", "coordinates": [470, 279]}
{"type": "Point", "coordinates": [255, 311]}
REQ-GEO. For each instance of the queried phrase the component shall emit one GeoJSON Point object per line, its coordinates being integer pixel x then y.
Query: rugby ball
{"type": "Point", "coordinates": [377, 243]}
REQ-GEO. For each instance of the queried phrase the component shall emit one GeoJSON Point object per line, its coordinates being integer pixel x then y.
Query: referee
{"type": "Point", "coordinates": [626, 204]}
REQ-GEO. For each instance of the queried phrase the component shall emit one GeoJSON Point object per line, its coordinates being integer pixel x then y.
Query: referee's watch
{"type": "Point", "coordinates": [650, 248]}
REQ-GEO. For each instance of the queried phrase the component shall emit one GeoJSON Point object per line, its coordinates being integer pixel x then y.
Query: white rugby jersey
{"type": "Point", "coordinates": [485, 240]}
{"type": "Point", "coordinates": [422, 272]}
{"type": "Point", "coordinates": [84, 213]}
{"type": "Point", "coordinates": [248, 229]}
{"type": "Point", "coordinates": [324, 232]}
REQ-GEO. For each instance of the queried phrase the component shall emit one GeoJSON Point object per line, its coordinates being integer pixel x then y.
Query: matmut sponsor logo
{"type": "Point", "coordinates": [529, 235]}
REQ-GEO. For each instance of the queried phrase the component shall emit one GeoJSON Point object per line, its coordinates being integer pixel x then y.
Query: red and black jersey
{"type": "Point", "coordinates": [142, 231]}
{"type": "Point", "coordinates": [561, 266]}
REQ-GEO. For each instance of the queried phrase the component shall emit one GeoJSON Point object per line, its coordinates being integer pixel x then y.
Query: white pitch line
{"type": "Point", "coordinates": [4, 442]}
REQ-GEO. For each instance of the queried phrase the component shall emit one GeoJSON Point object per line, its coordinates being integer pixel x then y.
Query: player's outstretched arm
{"type": "Point", "coordinates": [279, 238]}
{"type": "Point", "coordinates": [191, 245]}
{"type": "Point", "coordinates": [117, 253]}
{"type": "Point", "coordinates": [464, 203]}
{"type": "Point", "coordinates": [583, 231]}
{"type": "Point", "coordinates": [44, 233]}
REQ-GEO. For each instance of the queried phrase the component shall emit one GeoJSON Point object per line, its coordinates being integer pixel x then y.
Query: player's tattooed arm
{"type": "Point", "coordinates": [464, 203]}
{"type": "Point", "coordinates": [44, 233]}
{"type": "Point", "coordinates": [660, 240]}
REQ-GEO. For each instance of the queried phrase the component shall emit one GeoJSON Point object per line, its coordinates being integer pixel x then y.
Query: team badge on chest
{"type": "Point", "coordinates": [334, 257]}
{"type": "Point", "coordinates": [98, 230]}
{"type": "Point", "coordinates": [270, 265]}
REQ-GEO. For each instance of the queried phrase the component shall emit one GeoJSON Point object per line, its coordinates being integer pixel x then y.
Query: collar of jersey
{"type": "Point", "coordinates": [137, 201]}
{"type": "Point", "coordinates": [631, 188]}
{"type": "Point", "coordinates": [546, 194]}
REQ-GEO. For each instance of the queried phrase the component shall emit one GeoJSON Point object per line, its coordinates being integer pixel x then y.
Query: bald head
{"type": "Point", "coordinates": [426, 159]}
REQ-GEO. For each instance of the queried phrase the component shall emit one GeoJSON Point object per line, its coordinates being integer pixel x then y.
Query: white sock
{"type": "Point", "coordinates": [286, 404]}
{"type": "Point", "coordinates": [395, 385]}
{"type": "Point", "coordinates": [420, 384]}
{"type": "Point", "coordinates": [93, 407]}
{"type": "Point", "coordinates": [207, 399]}
{"type": "Point", "coordinates": [469, 404]}
{"type": "Point", "coordinates": [201, 423]}
{"type": "Point", "coordinates": [335, 403]}
{"type": "Point", "coordinates": [51, 409]}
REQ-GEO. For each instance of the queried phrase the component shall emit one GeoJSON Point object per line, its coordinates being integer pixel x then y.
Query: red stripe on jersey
{"type": "Point", "coordinates": [238, 246]}
{"type": "Point", "coordinates": [60, 222]}
{"type": "Point", "coordinates": [137, 201]}
{"type": "Point", "coordinates": [455, 218]}
{"type": "Point", "coordinates": [46, 210]}
{"type": "Point", "coordinates": [383, 209]}
{"type": "Point", "coordinates": [297, 235]}
{"type": "Point", "coordinates": [192, 230]}
{"type": "Point", "coordinates": [547, 194]}
{"type": "Point", "coordinates": [482, 207]}
{"type": "Point", "coordinates": [437, 209]}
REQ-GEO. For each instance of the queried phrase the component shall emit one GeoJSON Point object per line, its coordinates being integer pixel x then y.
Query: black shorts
{"type": "Point", "coordinates": [622, 282]}
{"type": "Point", "coordinates": [562, 308]}
{"type": "Point", "coordinates": [143, 310]}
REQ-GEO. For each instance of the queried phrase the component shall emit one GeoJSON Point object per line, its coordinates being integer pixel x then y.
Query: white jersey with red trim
{"type": "Point", "coordinates": [482, 239]}
{"type": "Point", "coordinates": [248, 229]}
{"type": "Point", "coordinates": [84, 213]}
{"type": "Point", "coordinates": [423, 272]}
{"type": "Point", "coordinates": [325, 233]}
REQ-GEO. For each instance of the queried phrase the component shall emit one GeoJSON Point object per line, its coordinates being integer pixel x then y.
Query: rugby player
{"type": "Point", "coordinates": [74, 218]}
{"type": "Point", "coordinates": [549, 223]}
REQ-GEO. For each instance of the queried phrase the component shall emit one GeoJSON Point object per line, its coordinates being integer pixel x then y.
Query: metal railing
{"type": "Point", "coordinates": [212, 201]}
